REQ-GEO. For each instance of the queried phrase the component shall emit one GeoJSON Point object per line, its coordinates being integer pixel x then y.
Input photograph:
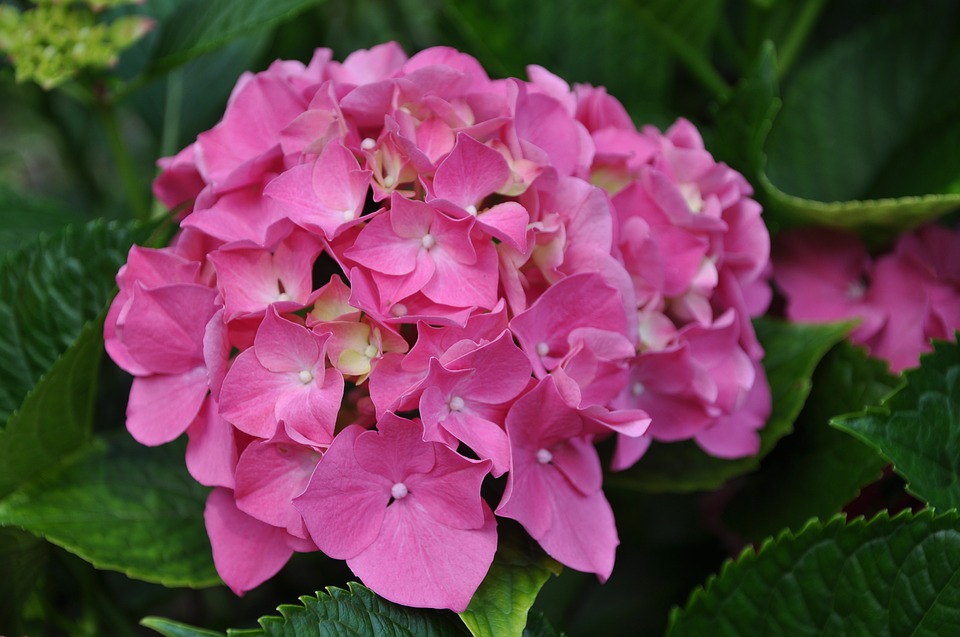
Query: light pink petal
{"type": "Point", "coordinates": [583, 533]}
{"type": "Point", "coordinates": [212, 448]}
{"type": "Point", "coordinates": [471, 172]}
{"type": "Point", "coordinates": [164, 327]}
{"type": "Point", "coordinates": [284, 346]}
{"type": "Point", "coordinates": [450, 493]}
{"type": "Point", "coordinates": [396, 449]}
{"type": "Point", "coordinates": [250, 392]}
{"type": "Point", "coordinates": [269, 474]}
{"type": "Point", "coordinates": [162, 406]}
{"type": "Point", "coordinates": [417, 561]}
{"type": "Point", "coordinates": [246, 551]}
{"type": "Point", "coordinates": [343, 506]}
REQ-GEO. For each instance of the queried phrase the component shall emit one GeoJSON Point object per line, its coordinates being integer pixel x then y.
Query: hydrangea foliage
{"type": "Point", "coordinates": [397, 281]}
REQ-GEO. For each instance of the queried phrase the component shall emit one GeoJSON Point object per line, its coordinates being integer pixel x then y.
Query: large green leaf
{"type": "Point", "coordinates": [200, 26]}
{"type": "Point", "coordinates": [55, 418]}
{"type": "Point", "coordinates": [861, 110]}
{"type": "Point", "coordinates": [23, 218]}
{"type": "Point", "coordinates": [917, 429]}
{"type": "Point", "coordinates": [817, 469]}
{"type": "Point", "coordinates": [22, 559]}
{"type": "Point", "coordinates": [501, 604]}
{"type": "Point", "coordinates": [792, 353]}
{"type": "Point", "coordinates": [48, 291]}
{"type": "Point", "coordinates": [608, 44]}
{"type": "Point", "coordinates": [886, 577]}
{"type": "Point", "coordinates": [124, 507]}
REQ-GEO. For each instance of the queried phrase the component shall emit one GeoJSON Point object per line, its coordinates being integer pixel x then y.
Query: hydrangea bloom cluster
{"type": "Point", "coordinates": [903, 298]}
{"type": "Point", "coordinates": [397, 281]}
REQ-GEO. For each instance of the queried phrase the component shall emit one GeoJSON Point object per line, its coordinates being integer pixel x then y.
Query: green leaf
{"type": "Point", "coordinates": [124, 507]}
{"type": "Point", "coordinates": [25, 556]}
{"type": "Point", "coordinates": [858, 109]}
{"type": "Point", "coordinates": [614, 46]}
{"type": "Point", "coordinates": [500, 605]}
{"type": "Point", "coordinates": [817, 470]}
{"type": "Point", "coordinates": [55, 418]}
{"type": "Point", "coordinates": [916, 427]}
{"type": "Point", "coordinates": [22, 218]}
{"type": "Point", "coordinates": [358, 611]}
{"type": "Point", "coordinates": [200, 26]}
{"type": "Point", "coordinates": [744, 120]}
{"type": "Point", "coordinates": [170, 628]}
{"type": "Point", "coordinates": [886, 577]}
{"type": "Point", "coordinates": [48, 291]}
{"type": "Point", "coordinates": [792, 353]}
{"type": "Point", "coordinates": [538, 626]}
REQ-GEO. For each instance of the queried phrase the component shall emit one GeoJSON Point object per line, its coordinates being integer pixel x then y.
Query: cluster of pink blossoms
{"type": "Point", "coordinates": [397, 280]}
{"type": "Point", "coordinates": [902, 298]}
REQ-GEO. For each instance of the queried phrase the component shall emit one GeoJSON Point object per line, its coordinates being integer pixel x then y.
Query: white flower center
{"type": "Point", "coordinates": [399, 310]}
{"type": "Point", "coordinates": [389, 181]}
{"type": "Point", "coordinates": [305, 376]}
{"type": "Point", "coordinates": [371, 351]}
{"type": "Point", "coordinates": [456, 403]}
{"type": "Point", "coordinates": [542, 349]}
{"type": "Point", "coordinates": [638, 389]}
{"type": "Point", "coordinates": [472, 210]}
{"type": "Point", "coordinates": [427, 241]}
{"type": "Point", "coordinates": [544, 456]}
{"type": "Point", "coordinates": [349, 215]}
{"type": "Point", "coordinates": [399, 491]}
{"type": "Point", "coordinates": [283, 296]}
{"type": "Point", "coordinates": [368, 143]}
{"type": "Point", "coordinates": [856, 290]}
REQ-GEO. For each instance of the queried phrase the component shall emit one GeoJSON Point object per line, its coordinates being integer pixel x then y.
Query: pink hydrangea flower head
{"type": "Point", "coordinates": [511, 264]}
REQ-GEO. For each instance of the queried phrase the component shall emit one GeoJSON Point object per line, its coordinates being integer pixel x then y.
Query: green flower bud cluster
{"type": "Point", "coordinates": [55, 40]}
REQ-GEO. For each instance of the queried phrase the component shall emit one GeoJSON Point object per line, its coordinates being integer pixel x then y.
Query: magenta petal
{"type": "Point", "coordinates": [164, 327]}
{"type": "Point", "coordinates": [470, 172]}
{"type": "Point", "coordinates": [284, 346]}
{"type": "Point", "coordinates": [417, 561]}
{"type": "Point", "coordinates": [343, 505]}
{"type": "Point", "coordinates": [212, 449]}
{"type": "Point", "coordinates": [396, 450]}
{"type": "Point", "coordinates": [450, 493]}
{"type": "Point", "coordinates": [250, 393]}
{"type": "Point", "coordinates": [269, 475]}
{"type": "Point", "coordinates": [246, 551]}
{"type": "Point", "coordinates": [583, 534]}
{"type": "Point", "coordinates": [162, 406]}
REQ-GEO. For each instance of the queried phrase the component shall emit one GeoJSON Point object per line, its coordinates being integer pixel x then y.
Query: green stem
{"type": "Point", "coordinates": [121, 156]}
{"type": "Point", "coordinates": [797, 37]}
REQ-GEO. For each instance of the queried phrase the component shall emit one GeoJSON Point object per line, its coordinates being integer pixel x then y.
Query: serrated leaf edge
{"type": "Point", "coordinates": [751, 554]}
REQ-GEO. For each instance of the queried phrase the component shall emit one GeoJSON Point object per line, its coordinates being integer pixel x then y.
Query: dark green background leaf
{"type": "Point", "coordinates": [792, 353]}
{"type": "Point", "coordinates": [22, 560]}
{"type": "Point", "coordinates": [48, 291]}
{"type": "Point", "coordinates": [23, 218]}
{"type": "Point", "coordinates": [169, 628]}
{"type": "Point", "coordinates": [886, 577]}
{"type": "Point", "coordinates": [55, 418]}
{"type": "Point", "coordinates": [817, 469]}
{"type": "Point", "coordinates": [200, 26]}
{"type": "Point", "coordinates": [124, 507]}
{"type": "Point", "coordinates": [916, 427]}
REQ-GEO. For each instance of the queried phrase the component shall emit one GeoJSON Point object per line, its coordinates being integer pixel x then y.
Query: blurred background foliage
{"type": "Point", "coordinates": [841, 113]}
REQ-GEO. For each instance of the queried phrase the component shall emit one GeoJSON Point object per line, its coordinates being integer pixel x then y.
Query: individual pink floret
{"type": "Point", "coordinates": [405, 514]}
{"type": "Point", "coordinates": [283, 378]}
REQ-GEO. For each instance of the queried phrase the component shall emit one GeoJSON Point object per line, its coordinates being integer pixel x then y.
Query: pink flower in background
{"type": "Point", "coordinates": [511, 265]}
{"type": "Point", "coordinates": [900, 299]}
